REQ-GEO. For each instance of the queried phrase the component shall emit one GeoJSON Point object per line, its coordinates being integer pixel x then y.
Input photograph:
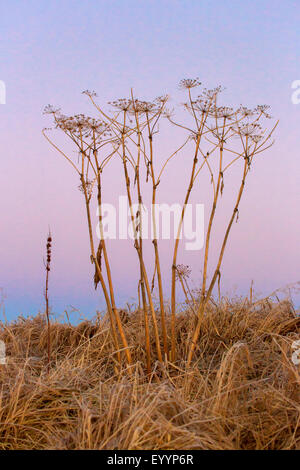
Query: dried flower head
{"type": "Point", "coordinates": [49, 109]}
{"type": "Point", "coordinates": [161, 100]}
{"type": "Point", "coordinates": [80, 125]}
{"type": "Point", "coordinates": [224, 112]}
{"type": "Point", "coordinates": [262, 109]}
{"type": "Point", "coordinates": [134, 106]}
{"type": "Point", "coordinates": [91, 94]}
{"type": "Point", "coordinates": [200, 104]}
{"type": "Point", "coordinates": [88, 186]}
{"type": "Point", "coordinates": [183, 270]}
{"type": "Point", "coordinates": [123, 104]}
{"type": "Point", "coordinates": [212, 93]}
{"type": "Point", "coordinates": [245, 112]}
{"type": "Point", "coordinates": [143, 106]}
{"type": "Point", "coordinates": [248, 130]}
{"type": "Point", "coordinates": [188, 83]}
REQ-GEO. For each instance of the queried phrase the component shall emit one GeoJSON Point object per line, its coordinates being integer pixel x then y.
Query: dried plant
{"type": "Point", "coordinates": [91, 137]}
{"type": "Point", "coordinates": [136, 124]}
{"type": "Point", "coordinates": [217, 130]}
{"type": "Point", "coordinates": [47, 266]}
{"type": "Point", "coordinates": [220, 137]}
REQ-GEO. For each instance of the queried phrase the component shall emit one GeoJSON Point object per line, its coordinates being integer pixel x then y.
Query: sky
{"type": "Point", "coordinates": [52, 51]}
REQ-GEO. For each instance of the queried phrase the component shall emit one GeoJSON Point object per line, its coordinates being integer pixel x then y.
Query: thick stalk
{"type": "Point", "coordinates": [209, 228]}
{"type": "Point", "coordinates": [106, 261]}
{"type": "Point", "coordinates": [174, 264]}
{"type": "Point", "coordinates": [142, 281]}
{"type": "Point", "coordinates": [213, 281]}
{"type": "Point", "coordinates": [146, 321]}
{"type": "Point", "coordinates": [145, 277]}
{"type": "Point", "coordinates": [140, 220]}
{"type": "Point", "coordinates": [157, 262]}
{"type": "Point", "coordinates": [100, 276]}
{"type": "Point", "coordinates": [108, 271]}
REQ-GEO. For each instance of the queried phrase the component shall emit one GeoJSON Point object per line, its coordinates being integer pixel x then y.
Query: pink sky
{"type": "Point", "coordinates": [51, 53]}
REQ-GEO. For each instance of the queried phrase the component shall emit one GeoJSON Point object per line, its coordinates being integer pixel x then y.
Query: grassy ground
{"type": "Point", "coordinates": [242, 391]}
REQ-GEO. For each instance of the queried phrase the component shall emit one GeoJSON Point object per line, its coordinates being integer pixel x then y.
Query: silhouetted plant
{"type": "Point", "coordinates": [220, 137]}
{"type": "Point", "coordinates": [91, 137]}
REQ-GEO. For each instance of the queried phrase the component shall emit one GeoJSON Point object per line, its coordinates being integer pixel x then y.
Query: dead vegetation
{"type": "Point", "coordinates": [217, 139]}
{"type": "Point", "coordinates": [240, 392]}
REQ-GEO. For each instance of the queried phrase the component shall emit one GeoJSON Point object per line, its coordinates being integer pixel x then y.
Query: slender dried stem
{"type": "Point", "coordinates": [48, 263]}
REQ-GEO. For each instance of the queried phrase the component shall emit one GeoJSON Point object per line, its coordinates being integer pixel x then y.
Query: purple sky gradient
{"type": "Point", "coordinates": [51, 51]}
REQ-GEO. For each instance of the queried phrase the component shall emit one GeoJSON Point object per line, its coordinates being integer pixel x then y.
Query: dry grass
{"type": "Point", "coordinates": [241, 391]}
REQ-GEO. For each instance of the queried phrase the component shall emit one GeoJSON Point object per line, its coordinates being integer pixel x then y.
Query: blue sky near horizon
{"type": "Point", "coordinates": [51, 51]}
